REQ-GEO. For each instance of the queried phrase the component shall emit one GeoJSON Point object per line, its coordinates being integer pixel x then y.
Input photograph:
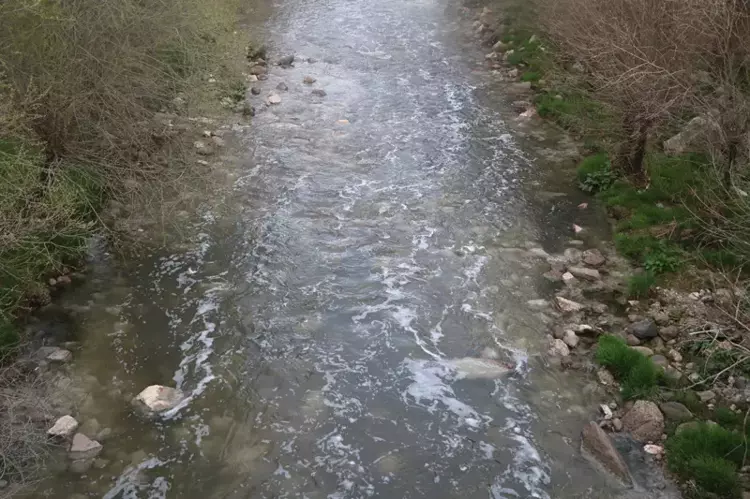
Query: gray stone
{"type": "Point", "coordinates": [593, 258]}
{"type": "Point", "coordinates": [566, 305]}
{"type": "Point", "coordinates": [286, 61]}
{"type": "Point", "coordinates": [668, 333]}
{"type": "Point", "coordinates": [258, 70]}
{"type": "Point", "coordinates": [660, 360]}
{"type": "Point", "coordinates": [572, 255]}
{"type": "Point", "coordinates": [273, 99]}
{"type": "Point", "coordinates": [538, 304]}
{"type": "Point", "coordinates": [597, 447]}
{"type": "Point", "coordinates": [585, 273]}
{"type": "Point", "coordinates": [255, 90]}
{"type": "Point", "coordinates": [661, 318]}
{"type": "Point", "coordinates": [644, 329]}
{"type": "Point", "coordinates": [63, 427]}
{"type": "Point", "coordinates": [308, 80]}
{"type": "Point", "coordinates": [60, 356]}
{"type": "Point", "coordinates": [644, 421]}
{"type": "Point", "coordinates": [644, 350]}
{"type": "Point", "coordinates": [632, 340]}
{"type": "Point", "coordinates": [706, 395]}
{"type": "Point", "coordinates": [80, 466]}
{"type": "Point", "coordinates": [104, 434]}
{"type": "Point", "coordinates": [100, 464]}
{"type": "Point", "coordinates": [84, 448]}
{"type": "Point", "coordinates": [617, 424]}
{"type": "Point", "coordinates": [675, 411]}
{"type": "Point", "coordinates": [558, 348]}
{"type": "Point", "coordinates": [282, 87]}
{"type": "Point", "coordinates": [605, 377]}
{"type": "Point", "coordinates": [90, 428]}
{"type": "Point", "coordinates": [319, 92]}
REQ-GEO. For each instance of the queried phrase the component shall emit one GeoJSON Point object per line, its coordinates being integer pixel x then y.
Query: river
{"type": "Point", "coordinates": [373, 239]}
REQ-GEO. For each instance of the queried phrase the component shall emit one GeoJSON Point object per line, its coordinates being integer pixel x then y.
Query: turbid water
{"type": "Point", "coordinates": [327, 327]}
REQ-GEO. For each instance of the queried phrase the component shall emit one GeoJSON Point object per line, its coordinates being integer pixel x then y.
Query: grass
{"type": "Point", "coordinates": [709, 456]}
{"type": "Point", "coordinates": [638, 376]}
{"type": "Point", "coordinates": [595, 174]}
{"type": "Point", "coordinates": [639, 285]}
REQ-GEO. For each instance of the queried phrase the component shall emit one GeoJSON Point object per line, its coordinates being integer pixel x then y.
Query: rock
{"type": "Point", "coordinates": [675, 355]}
{"type": "Point", "coordinates": [539, 252]}
{"type": "Point", "coordinates": [84, 448]}
{"type": "Point", "coordinates": [675, 411]}
{"type": "Point", "coordinates": [553, 275]}
{"type": "Point", "coordinates": [319, 92]}
{"type": "Point", "coordinates": [104, 434]}
{"type": "Point", "coordinates": [64, 280]}
{"type": "Point", "coordinates": [566, 305]}
{"type": "Point", "coordinates": [606, 411]}
{"type": "Point", "coordinates": [63, 427]}
{"type": "Point", "coordinates": [286, 61]}
{"type": "Point", "coordinates": [654, 450]}
{"type": "Point", "coordinates": [660, 360]}
{"type": "Point", "coordinates": [572, 256]}
{"type": "Point", "coordinates": [282, 87]}
{"type": "Point", "coordinates": [661, 318]}
{"type": "Point", "coordinates": [538, 304]}
{"type": "Point", "coordinates": [60, 355]}
{"type": "Point", "coordinates": [570, 338]}
{"type": "Point", "coordinates": [668, 333]}
{"type": "Point", "coordinates": [644, 329]}
{"type": "Point", "coordinates": [100, 464]}
{"type": "Point", "coordinates": [644, 350]}
{"type": "Point", "coordinates": [90, 428]}
{"type": "Point", "coordinates": [262, 77]}
{"type": "Point", "coordinates": [593, 258]}
{"type": "Point", "coordinates": [585, 273]}
{"type": "Point", "coordinates": [80, 466]}
{"type": "Point", "coordinates": [605, 377]}
{"type": "Point", "coordinates": [273, 99]}
{"type": "Point", "coordinates": [308, 80]}
{"type": "Point", "coordinates": [690, 425]}
{"type": "Point", "coordinates": [558, 348]}
{"type": "Point", "coordinates": [617, 424]}
{"type": "Point", "coordinates": [632, 340]}
{"type": "Point", "coordinates": [644, 421]}
{"type": "Point", "coordinates": [688, 139]}
{"type": "Point", "coordinates": [258, 70]}
{"type": "Point", "coordinates": [255, 90]}
{"type": "Point", "coordinates": [478, 368]}
{"type": "Point", "coordinates": [202, 148]}
{"type": "Point", "coordinates": [500, 46]}
{"type": "Point", "coordinates": [247, 109]}
{"type": "Point", "coordinates": [157, 398]}
{"type": "Point", "coordinates": [218, 141]}
{"type": "Point", "coordinates": [706, 395]}
{"type": "Point", "coordinates": [598, 449]}
{"type": "Point", "coordinates": [568, 278]}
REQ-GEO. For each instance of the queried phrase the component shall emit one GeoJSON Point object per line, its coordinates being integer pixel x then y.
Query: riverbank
{"type": "Point", "coordinates": [674, 352]}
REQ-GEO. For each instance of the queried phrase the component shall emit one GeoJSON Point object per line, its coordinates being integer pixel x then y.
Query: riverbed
{"type": "Point", "coordinates": [377, 237]}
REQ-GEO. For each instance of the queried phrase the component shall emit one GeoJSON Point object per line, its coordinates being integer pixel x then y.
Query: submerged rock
{"type": "Point", "coordinates": [63, 427]}
{"type": "Point", "coordinates": [644, 421]}
{"type": "Point", "coordinates": [478, 368]}
{"type": "Point", "coordinates": [558, 348]}
{"type": "Point", "coordinates": [319, 92]}
{"type": "Point", "coordinates": [286, 61]}
{"type": "Point", "coordinates": [273, 99]}
{"type": "Point", "coordinates": [156, 399]}
{"type": "Point", "coordinates": [84, 448]}
{"type": "Point", "coordinates": [598, 449]}
{"type": "Point", "coordinates": [308, 80]}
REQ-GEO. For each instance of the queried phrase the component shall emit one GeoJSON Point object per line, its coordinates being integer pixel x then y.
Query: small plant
{"type": "Point", "coordinates": [709, 456]}
{"type": "Point", "coordinates": [595, 174]}
{"type": "Point", "coordinates": [532, 76]}
{"type": "Point", "coordinates": [638, 376]}
{"type": "Point", "coordinates": [661, 262]}
{"type": "Point", "coordinates": [639, 285]}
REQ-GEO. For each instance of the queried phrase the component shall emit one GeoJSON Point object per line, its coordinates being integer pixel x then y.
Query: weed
{"type": "Point", "coordinates": [532, 76]}
{"type": "Point", "coordinates": [595, 174]}
{"type": "Point", "coordinates": [638, 376]}
{"type": "Point", "coordinates": [660, 262]}
{"type": "Point", "coordinates": [639, 285]}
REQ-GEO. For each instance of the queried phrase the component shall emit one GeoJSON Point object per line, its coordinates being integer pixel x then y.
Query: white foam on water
{"type": "Point", "coordinates": [131, 482]}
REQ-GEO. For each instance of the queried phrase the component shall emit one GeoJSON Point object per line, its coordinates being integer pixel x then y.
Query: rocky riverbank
{"type": "Point", "coordinates": [670, 361]}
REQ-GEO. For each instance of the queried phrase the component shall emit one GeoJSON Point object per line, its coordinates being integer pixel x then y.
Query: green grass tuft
{"type": "Point", "coordinates": [639, 285]}
{"type": "Point", "coordinates": [638, 376]}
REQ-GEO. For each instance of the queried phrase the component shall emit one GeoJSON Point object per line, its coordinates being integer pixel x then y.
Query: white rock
{"type": "Point", "coordinates": [158, 398]}
{"type": "Point", "coordinates": [568, 305]}
{"type": "Point", "coordinates": [84, 448]}
{"type": "Point", "coordinates": [538, 252]}
{"type": "Point", "coordinates": [60, 355]}
{"type": "Point", "coordinates": [274, 99]}
{"type": "Point", "coordinates": [63, 427]}
{"type": "Point", "coordinates": [605, 377]}
{"type": "Point", "coordinates": [539, 304]}
{"type": "Point", "coordinates": [654, 450]}
{"type": "Point", "coordinates": [570, 338]}
{"type": "Point", "coordinates": [568, 277]}
{"type": "Point", "coordinates": [606, 411]}
{"type": "Point", "coordinates": [675, 355]}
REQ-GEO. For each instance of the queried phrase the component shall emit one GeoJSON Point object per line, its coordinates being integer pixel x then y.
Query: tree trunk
{"type": "Point", "coordinates": [629, 160]}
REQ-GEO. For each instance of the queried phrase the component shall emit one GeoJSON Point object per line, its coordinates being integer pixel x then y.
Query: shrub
{"type": "Point", "coordinates": [638, 376]}
{"type": "Point", "coordinates": [594, 173]}
{"type": "Point", "coordinates": [639, 285]}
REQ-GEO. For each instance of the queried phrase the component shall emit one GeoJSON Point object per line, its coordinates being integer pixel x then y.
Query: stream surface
{"type": "Point", "coordinates": [315, 325]}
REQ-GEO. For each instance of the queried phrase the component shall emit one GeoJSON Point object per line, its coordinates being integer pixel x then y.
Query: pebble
{"type": "Point", "coordinates": [605, 377]}
{"type": "Point", "coordinates": [632, 340]}
{"type": "Point", "coordinates": [675, 355]}
{"type": "Point", "coordinates": [593, 258]}
{"type": "Point", "coordinates": [644, 350]}
{"type": "Point", "coordinates": [319, 92]}
{"type": "Point", "coordinates": [654, 450]}
{"type": "Point", "coordinates": [570, 338]}
{"type": "Point", "coordinates": [286, 61]}
{"type": "Point", "coordinates": [63, 427]}
{"type": "Point", "coordinates": [255, 90]}
{"type": "Point", "coordinates": [706, 395]}
{"type": "Point", "coordinates": [660, 360]}
{"type": "Point", "coordinates": [617, 424]}
{"type": "Point", "coordinates": [282, 87]}
{"type": "Point", "coordinates": [274, 99]}
{"type": "Point", "coordinates": [567, 277]}
{"type": "Point", "coordinates": [60, 355]}
{"type": "Point", "coordinates": [606, 411]}
{"type": "Point", "coordinates": [558, 348]}
{"type": "Point", "coordinates": [308, 80]}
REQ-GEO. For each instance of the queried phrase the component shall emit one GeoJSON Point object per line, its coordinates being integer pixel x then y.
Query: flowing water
{"type": "Point", "coordinates": [321, 327]}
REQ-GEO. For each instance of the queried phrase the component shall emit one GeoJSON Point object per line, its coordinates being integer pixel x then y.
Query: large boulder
{"type": "Point", "coordinates": [692, 137]}
{"type": "Point", "coordinates": [157, 399]}
{"type": "Point", "coordinates": [644, 421]}
{"type": "Point", "coordinates": [598, 449]}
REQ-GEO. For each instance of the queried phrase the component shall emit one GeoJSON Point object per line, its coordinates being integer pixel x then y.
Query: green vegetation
{"type": "Point", "coordinates": [638, 376]}
{"type": "Point", "coordinates": [639, 285]}
{"type": "Point", "coordinates": [80, 85]}
{"type": "Point", "coordinates": [708, 456]}
{"type": "Point", "coordinates": [595, 174]}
